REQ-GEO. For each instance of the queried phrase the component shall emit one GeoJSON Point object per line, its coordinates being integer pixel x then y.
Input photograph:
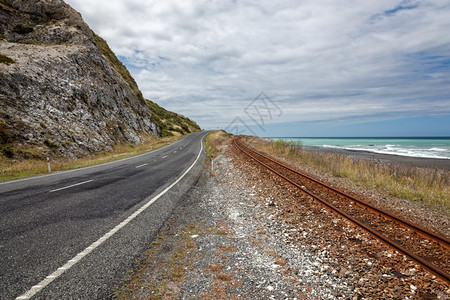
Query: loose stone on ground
{"type": "Point", "coordinates": [241, 234]}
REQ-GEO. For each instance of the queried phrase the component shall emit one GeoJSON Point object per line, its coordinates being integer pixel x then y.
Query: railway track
{"type": "Point", "coordinates": [428, 249]}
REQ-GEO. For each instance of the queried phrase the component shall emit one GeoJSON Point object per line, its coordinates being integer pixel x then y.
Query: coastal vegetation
{"type": "Point", "coordinates": [171, 123]}
{"type": "Point", "coordinates": [399, 180]}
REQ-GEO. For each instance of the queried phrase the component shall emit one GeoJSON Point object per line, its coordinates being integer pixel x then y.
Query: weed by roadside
{"type": "Point", "coordinates": [168, 274]}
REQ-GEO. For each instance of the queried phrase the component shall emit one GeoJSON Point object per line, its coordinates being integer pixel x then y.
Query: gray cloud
{"type": "Point", "coordinates": [319, 60]}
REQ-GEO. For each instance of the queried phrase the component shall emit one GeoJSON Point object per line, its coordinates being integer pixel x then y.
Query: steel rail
{"type": "Point", "coordinates": [427, 265]}
{"type": "Point", "coordinates": [422, 231]}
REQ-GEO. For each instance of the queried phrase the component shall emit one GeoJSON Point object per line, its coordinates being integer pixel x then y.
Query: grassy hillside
{"type": "Point", "coordinates": [171, 123]}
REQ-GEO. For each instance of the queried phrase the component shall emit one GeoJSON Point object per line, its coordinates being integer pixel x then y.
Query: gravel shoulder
{"type": "Point", "coordinates": [241, 233]}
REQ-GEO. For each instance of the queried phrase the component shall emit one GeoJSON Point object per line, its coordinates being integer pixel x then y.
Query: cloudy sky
{"type": "Point", "coordinates": [288, 68]}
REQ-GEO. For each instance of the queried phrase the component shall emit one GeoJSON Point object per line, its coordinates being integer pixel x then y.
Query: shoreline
{"type": "Point", "coordinates": [419, 162]}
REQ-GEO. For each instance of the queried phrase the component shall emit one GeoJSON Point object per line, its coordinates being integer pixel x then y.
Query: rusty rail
{"type": "Point", "coordinates": [421, 231]}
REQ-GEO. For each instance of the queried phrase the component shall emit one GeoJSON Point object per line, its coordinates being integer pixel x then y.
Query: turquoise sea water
{"type": "Point", "coordinates": [415, 147]}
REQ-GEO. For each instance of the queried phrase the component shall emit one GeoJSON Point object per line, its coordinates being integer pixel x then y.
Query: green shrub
{"type": "Point", "coordinates": [21, 29]}
{"type": "Point", "coordinates": [170, 121]}
{"type": "Point", "coordinates": [7, 151]}
{"type": "Point", "coordinates": [29, 153]}
{"type": "Point", "coordinates": [165, 133]}
{"type": "Point", "coordinates": [5, 139]}
{"type": "Point", "coordinates": [185, 128]}
{"type": "Point", "coordinates": [50, 144]}
{"type": "Point", "coordinates": [6, 60]}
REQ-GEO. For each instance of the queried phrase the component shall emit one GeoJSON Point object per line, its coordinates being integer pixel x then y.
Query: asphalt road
{"type": "Point", "coordinates": [47, 221]}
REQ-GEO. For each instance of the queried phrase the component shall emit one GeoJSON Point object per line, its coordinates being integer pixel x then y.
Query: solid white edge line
{"type": "Point", "coordinates": [69, 186]}
{"type": "Point", "coordinates": [41, 285]}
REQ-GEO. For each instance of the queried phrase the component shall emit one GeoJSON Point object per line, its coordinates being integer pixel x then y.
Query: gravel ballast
{"type": "Point", "coordinates": [241, 233]}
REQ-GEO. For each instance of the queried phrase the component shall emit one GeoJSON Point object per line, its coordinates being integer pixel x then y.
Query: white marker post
{"type": "Point", "coordinates": [48, 165]}
{"type": "Point", "coordinates": [212, 159]}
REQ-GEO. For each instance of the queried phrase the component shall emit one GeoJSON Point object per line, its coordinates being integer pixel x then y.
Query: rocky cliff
{"type": "Point", "coordinates": [62, 90]}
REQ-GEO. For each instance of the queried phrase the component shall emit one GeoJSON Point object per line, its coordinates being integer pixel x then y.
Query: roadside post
{"type": "Point", "coordinates": [211, 158]}
{"type": "Point", "coordinates": [48, 165]}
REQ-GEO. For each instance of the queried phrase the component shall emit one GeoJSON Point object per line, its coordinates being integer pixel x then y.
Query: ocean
{"type": "Point", "coordinates": [431, 147]}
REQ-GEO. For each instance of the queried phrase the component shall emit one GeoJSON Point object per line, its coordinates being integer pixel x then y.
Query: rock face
{"type": "Point", "coordinates": [62, 90]}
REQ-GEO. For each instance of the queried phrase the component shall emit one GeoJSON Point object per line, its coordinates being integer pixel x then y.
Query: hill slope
{"type": "Point", "coordinates": [62, 90]}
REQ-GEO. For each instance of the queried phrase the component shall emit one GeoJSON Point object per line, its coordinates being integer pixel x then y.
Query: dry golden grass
{"type": "Point", "coordinates": [416, 184]}
{"type": "Point", "coordinates": [227, 248]}
{"type": "Point", "coordinates": [15, 169]}
{"type": "Point", "coordinates": [272, 253]}
{"type": "Point", "coordinates": [216, 267]}
{"type": "Point", "coordinates": [224, 276]}
{"type": "Point", "coordinates": [256, 241]}
{"type": "Point", "coordinates": [281, 262]}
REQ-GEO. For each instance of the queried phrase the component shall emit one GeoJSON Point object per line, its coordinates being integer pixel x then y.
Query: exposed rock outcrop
{"type": "Point", "coordinates": [62, 90]}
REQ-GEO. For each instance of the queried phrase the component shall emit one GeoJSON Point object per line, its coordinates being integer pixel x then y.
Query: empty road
{"type": "Point", "coordinates": [75, 234]}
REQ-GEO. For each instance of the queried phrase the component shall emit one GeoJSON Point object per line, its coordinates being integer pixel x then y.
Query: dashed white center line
{"type": "Point", "coordinates": [175, 151]}
{"type": "Point", "coordinates": [143, 165]}
{"type": "Point", "coordinates": [69, 186]}
{"type": "Point", "coordinates": [164, 156]}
